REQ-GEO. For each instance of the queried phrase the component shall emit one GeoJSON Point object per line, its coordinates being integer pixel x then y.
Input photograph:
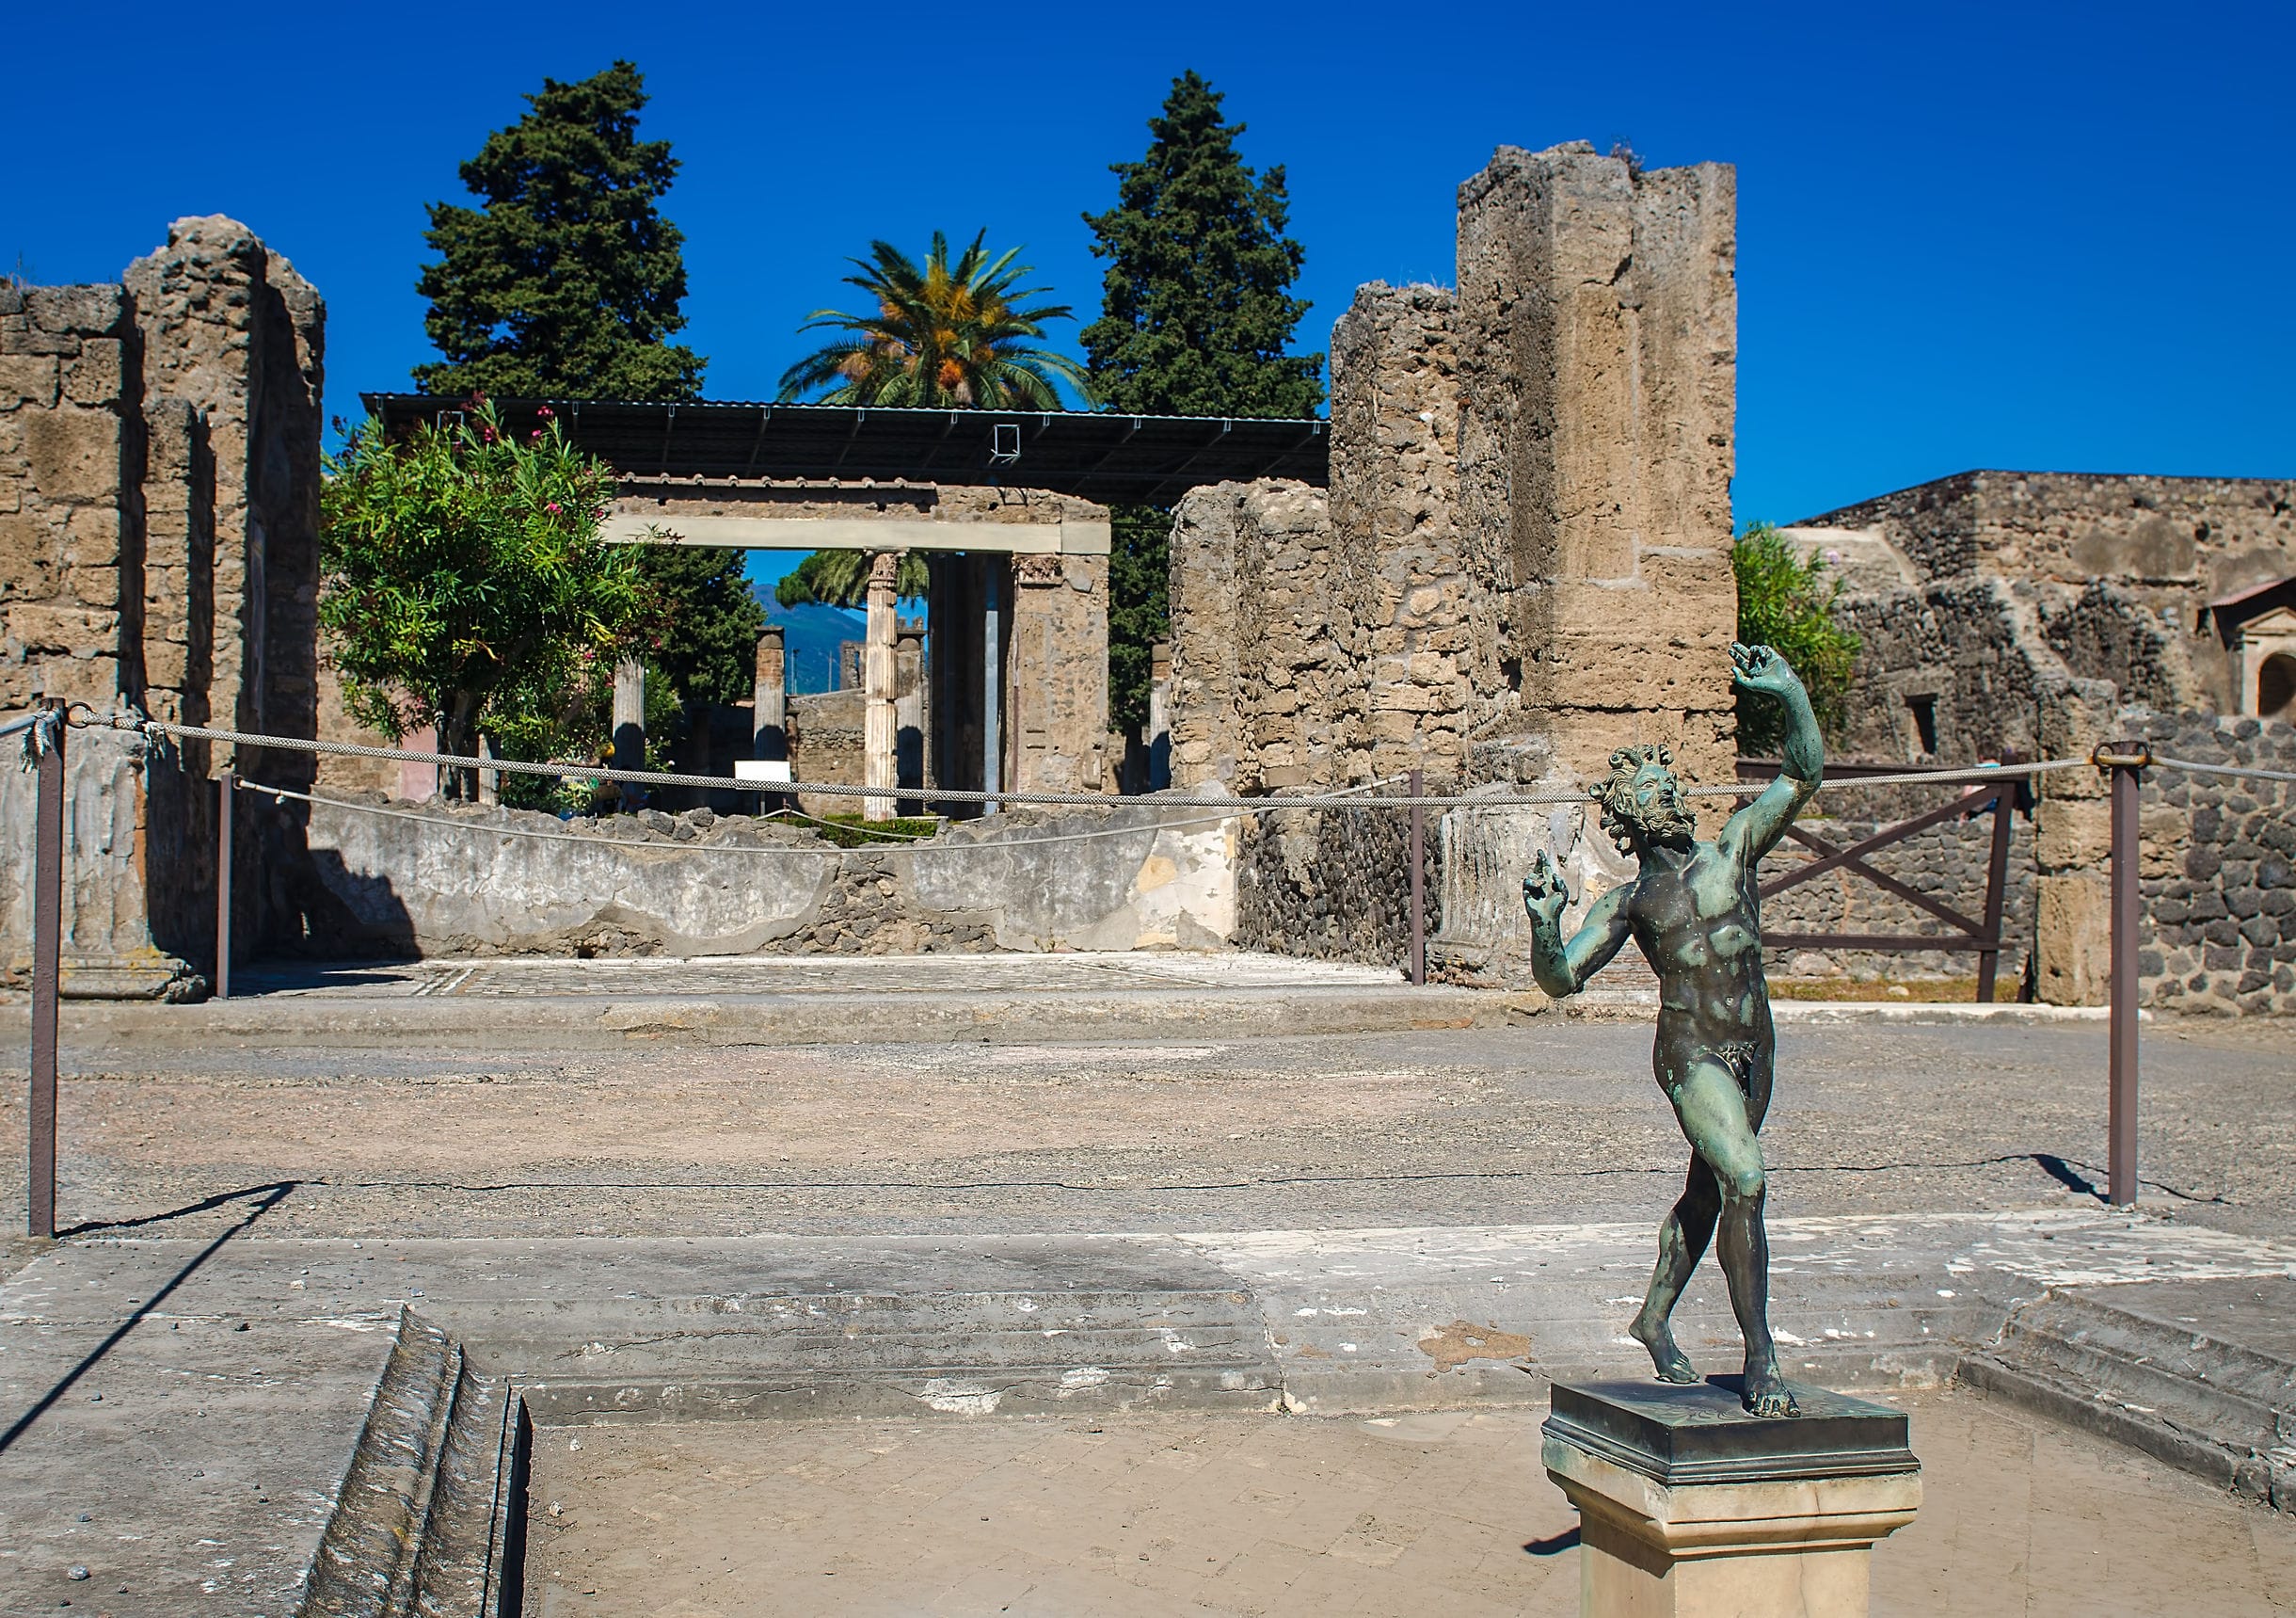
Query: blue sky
{"type": "Point", "coordinates": [2036, 236]}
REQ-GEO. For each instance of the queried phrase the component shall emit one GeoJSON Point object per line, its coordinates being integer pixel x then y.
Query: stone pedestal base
{"type": "Point", "coordinates": [1690, 1507]}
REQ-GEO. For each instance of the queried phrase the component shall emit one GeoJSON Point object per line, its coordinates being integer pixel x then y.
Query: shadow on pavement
{"type": "Point", "coordinates": [266, 1198]}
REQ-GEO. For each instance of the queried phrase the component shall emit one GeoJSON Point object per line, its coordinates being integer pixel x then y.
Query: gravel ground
{"type": "Point", "coordinates": [1550, 1120]}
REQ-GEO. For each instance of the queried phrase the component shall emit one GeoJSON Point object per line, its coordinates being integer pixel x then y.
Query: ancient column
{"type": "Point", "coordinates": [878, 732]}
{"type": "Point", "coordinates": [992, 681]}
{"type": "Point", "coordinates": [912, 708]}
{"type": "Point", "coordinates": [770, 698]}
{"type": "Point", "coordinates": [629, 723]}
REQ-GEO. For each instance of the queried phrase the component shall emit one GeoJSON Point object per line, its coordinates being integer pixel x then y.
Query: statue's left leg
{"type": "Point", "coordinates": [1713, 1109]}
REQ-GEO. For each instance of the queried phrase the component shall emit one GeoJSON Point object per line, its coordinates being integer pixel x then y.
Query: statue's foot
{"type": "Point", "coordinates": [1766, 1393]}
{"type": "Point", "coordinates": [1673, 1365]}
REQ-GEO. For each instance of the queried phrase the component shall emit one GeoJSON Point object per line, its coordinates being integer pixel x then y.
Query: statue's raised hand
{"type": "Point", "coordinates": [1759, 669]}
{"type": "Point", "coordinates": [1543, 893]}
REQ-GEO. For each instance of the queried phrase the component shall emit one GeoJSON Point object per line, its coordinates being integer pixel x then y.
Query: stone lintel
{"type": "Point", "coordinates": [1067, 537]}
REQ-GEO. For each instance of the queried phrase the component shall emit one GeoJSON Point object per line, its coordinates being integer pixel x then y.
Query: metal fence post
{"type": "Point", "coordinates": [225, 798]}
{"type": "Point", "coordinates": [2127, 760]}
{"type": "Point", "coordinates": [1419, 883]}
{"type": "Point", "coordinates": [47, 953]}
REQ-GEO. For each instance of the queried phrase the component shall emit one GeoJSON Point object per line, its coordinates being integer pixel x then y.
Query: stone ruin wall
{"type": "Point", "coordinates": [158, 548]}
{"type": "Point", "coordinates": [2217, 868]}
{"type": "Point", "coordinates": [1522, 558]}
{"type": "Point", "coordinates": [2111, 575]}
{"type": "Point", "coordinates": [445, 880]}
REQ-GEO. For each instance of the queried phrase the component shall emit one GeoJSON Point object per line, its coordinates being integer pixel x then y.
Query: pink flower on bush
{"type": "Point", "coordinates": [553, 509]}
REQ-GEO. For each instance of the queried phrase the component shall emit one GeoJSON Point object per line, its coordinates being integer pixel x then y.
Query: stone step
{"type": "Point", "coordinates": [2158, 1367]}
{"type": "Point", "coordinates": [428, 1518]}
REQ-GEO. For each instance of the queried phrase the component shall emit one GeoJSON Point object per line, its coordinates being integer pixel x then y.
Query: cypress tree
{"type": "Point", "coordinates": [1197, 317]}
{"type": "Point", "coordinates": [566, 280]}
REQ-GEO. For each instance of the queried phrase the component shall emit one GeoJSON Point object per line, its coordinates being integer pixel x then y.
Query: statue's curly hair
{"type": "Point", "coordinates": [1615, 793]}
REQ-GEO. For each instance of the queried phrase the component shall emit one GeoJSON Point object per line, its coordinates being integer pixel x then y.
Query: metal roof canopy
{"type": "Point", "coordinates": [1150, 460]}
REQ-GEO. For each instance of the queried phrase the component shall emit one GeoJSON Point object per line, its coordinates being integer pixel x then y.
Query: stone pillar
{"type": "Point", "coordinates": [2072, 934]}
{"type": "Point", "coordinates": [629, 723]}
{"type": "Point", "coordinates": [992, 679]}
{"type": "Point", "coordinates": [912, 706]}
{"type": "Point", "coordinates": [1597, 350]}
{"type": "Point", "coordinates": [1160, 716]}
{"type": "Point", "coordinates": [1689, 1508]}
{"type": "Point", "coordinates": [879, 764]}
{"type": "Point", "coordinates": [1058, 705]}
{"type": "Point", "coordinates": [770, 698]}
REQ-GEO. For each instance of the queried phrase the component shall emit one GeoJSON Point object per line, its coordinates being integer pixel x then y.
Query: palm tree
{"type": "Point", "coordinates": [840, 579]}
{"type": "Point", "coordinates": [948, 335]}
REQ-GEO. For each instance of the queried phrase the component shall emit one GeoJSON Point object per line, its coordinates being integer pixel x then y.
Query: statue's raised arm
{"type": "Point", "coordinates": [1755, 829]}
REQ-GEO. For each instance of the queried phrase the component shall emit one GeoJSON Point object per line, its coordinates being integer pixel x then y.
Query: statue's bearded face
{"type": "Point", "coordinates": [1658, 812]}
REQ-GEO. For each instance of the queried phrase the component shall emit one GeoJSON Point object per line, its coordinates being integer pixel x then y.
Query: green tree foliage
{"type": "Point", "coordinates": [466, 585]}
{"type": "Point", "coordinates": [1139, 608]}
{"type": "Point", "coordinates": [1787, 601]}
{"type": "Point", "coordinates": [1197, 318]}
{"type": "Point", "coordinates": [708, 621]}
{"type": "Point", "coordinates": [1196, 307]}
{"type": "Point", "coordinates": [566, 280]}
{"type": "Point", "coordinates": [948, 335]}
{"type": "Point", "coordinates": [840, 579]}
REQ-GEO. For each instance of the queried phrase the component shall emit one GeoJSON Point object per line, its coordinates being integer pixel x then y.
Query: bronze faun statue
{"type": "Point", "coordinates": [1694, 909]}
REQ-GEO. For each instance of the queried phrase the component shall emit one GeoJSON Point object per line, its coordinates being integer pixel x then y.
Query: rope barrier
{"type": "Point", "coordinates": [2247, 771]}
{"type": "Point", "coordinates": [1352, 797]}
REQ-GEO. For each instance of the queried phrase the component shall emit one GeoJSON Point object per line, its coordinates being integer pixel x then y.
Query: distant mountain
{"type": "Point", "coordinates": [812, 633]}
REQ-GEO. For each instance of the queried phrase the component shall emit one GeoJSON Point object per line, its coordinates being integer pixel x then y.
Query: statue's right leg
{"type": "Point", "coordinates": [1681, 1242]}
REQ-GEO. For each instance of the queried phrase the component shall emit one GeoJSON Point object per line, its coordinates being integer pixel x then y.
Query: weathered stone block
{"type": "Point", "coordinates": [86, 310]}
{"type": "Point", "coordinates": [18, 335]}
{"type": "Point", "coordinates": [2073, 834]}
{"type": "Point", "coordinates": [93, 377]}
{"type": "Point", "coordinates": [27, 379]}
{"type": "Point", "coordinates": [74, 453]}
{"type": "Point", "coordinates": [2073, 940]}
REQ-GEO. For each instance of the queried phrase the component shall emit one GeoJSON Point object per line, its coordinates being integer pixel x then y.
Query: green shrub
{"type": "Point", "coordinates": [1787, 601]}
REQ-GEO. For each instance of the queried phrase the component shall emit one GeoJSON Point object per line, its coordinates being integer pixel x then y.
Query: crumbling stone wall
{"type": "Point", "coordinates": [444, 880]}
{"type": "Point", "coordinates": [1965, 653]}
{"type": "Point", "coordinates": [159, 476]}
{"type": "Point", "coordinates": [1597, 365]}
{"type": "Point", "coordinates": [1267, 690]}
{"type": "Point", "coordinates": [1522, 558]}
{"type": "Point", "coordinates": [2118, 569]}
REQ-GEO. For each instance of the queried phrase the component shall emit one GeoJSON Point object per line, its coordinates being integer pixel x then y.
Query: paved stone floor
{"type": "Point", "coordinates": [1547, 1122]}
{"type": "Point", "coordinates": [1445, 1512]}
